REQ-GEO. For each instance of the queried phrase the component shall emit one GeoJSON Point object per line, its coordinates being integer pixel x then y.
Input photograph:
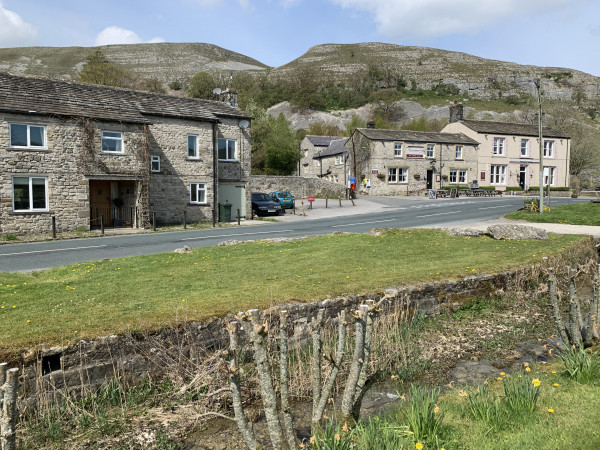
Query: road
{"type": "Point", "coordinates": [398, 213]}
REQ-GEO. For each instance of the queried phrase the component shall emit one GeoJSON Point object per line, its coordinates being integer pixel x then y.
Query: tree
{"type": "Point", "coordinates": [202, 85]}
{"type": "Point", "coordinates": [99, 70]}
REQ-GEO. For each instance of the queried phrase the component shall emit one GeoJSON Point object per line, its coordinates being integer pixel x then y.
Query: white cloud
{"type": "Point", "coordinates": [117, 35]}
{"type": "Point", "coordinates": [434, 18]}
{"type": "Point", "coordinates": [14, 31]}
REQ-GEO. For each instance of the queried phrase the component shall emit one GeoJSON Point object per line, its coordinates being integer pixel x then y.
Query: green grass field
{"type": "Point", "coordinates": [578, 214]}
{"type": "Point", "coordinates": [62, 305]}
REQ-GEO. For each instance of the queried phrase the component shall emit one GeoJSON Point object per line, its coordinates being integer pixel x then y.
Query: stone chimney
{"type": "Point", "coordinates": [370, 123]}
{"type": "Point", "coordinates": [456, 113]}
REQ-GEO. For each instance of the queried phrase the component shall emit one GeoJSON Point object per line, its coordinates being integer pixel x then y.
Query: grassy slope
{"type": "Point", "coordinates": [578, 214]}
{"type": "Point", "coordinates": [116, 296]}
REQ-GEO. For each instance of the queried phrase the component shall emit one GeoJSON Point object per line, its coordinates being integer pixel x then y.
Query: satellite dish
{"type": "Point", "coordinates": [244, 124]}
{"type": "Point", "coordinates": [216, 91]}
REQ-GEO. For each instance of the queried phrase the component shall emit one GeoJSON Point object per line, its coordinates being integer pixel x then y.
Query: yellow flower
{"type": "Point", "coordinates": [183, 300]}
{"type": "Point", "coordinates": [527, 369]}
{"type": "Point", "coordinates": [554, 371]}
{"type": "Point", "coordinates": [550, 410]}
{"type": "Point", "coordinates": [462, 393]}
{"type": "Point", "coordinates": [393, 377]}
{"type": "Point", "coordinates": [536, 382]}
{"type": "Point", "coordinates": [555, 384]}
{"type": "Point", "coordinates": [313, 439]}
{"type": "Point", "coordinates": [345, 428]}
{"type": "Point", "coordinates": [502, 373]}
{"type": "Point", "coordinates": [525, 364]}
{"type": "Point", "coordinates": [337, 437]}
{"type": "Point", "coordinates": [499, 378]}
{"type": "Point", "coordinates": [436, 409]}
{"type": "Point", "coordinates": [419, 446]}
{"type": "Point", "coordinates": [28, 321]}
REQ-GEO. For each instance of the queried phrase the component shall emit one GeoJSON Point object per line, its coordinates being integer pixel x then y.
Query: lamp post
{"type": "Point", "coordinates": [538, 85]}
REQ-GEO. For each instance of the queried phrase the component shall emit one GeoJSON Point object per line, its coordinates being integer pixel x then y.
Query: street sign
{"type": "Point", "coordinates": [310, 198]}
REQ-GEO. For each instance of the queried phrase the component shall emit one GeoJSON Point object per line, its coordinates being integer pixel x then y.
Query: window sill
{"type": "Point", "coordinates": [228, 160]}
{"type": "Point", "coordinates": [189, 158]}
{"type": "Point", "coordinates": [198, 204]}
{"type": "Point", "coordinates": [28, 149]}
{"type": "Point", "coordinates": [29, 213]}
{"type": "Point", "coordinates": [112, 153]}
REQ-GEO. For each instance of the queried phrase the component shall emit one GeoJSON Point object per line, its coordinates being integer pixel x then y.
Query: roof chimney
{"type": "Point", "coordinates": [370, 123]}
{"type": "Point", "coordinates": [456, 113]}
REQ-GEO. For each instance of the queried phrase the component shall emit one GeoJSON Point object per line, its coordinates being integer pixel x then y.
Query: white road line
{"type": "Point", "coordinates": [53, 250]}
{"type": "Point", "coordinates": [362, 223]}
{"type": "Point", "coordinates": [235, 235]}
{"type": "Point", "coordinates": [492, 207]}
{"type": "Point", "coordinates": [439, 214]}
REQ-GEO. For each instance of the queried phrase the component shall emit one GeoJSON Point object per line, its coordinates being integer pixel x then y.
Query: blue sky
{"type": "Point", "coordinates": [558, 33]}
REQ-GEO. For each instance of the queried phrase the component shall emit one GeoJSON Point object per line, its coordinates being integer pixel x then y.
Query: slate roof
{"type": "Point", "coordinates": [336, 147]}
{"type": "Point", "coordinates": [417, 136]}
{"type": "Point", "coordinates": [321, 141]}
{"type": "Point", "coordinates": [510, 129]}
{"type": "Point", "coordinates": [43, 96]}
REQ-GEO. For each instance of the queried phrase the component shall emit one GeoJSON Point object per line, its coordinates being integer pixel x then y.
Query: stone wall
{"type": "Point", "coordinates": [91, 363]}
{"type": "Point", "coordinates": [300, 187]}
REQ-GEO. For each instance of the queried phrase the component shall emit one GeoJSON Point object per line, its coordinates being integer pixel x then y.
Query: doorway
{"type": "Point", "coordinates": [430, 179]}
{"type": "Point", "coordinates": [522, 176]}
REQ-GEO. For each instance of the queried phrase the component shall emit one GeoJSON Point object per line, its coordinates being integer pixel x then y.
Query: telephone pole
{"type": "Point", "coordinates": [538, 85]}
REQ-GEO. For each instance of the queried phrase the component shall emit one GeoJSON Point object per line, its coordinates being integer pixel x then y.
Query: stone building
{"type": "Point", "coordinates": [309, 148]}
{"type": "Point", "coordinates": [397, 162]}
{"type": "Point", "coordinates": [80, 152]}
{"type": "Point", "coordinates": [509, 154]}
{"type": "Point", "coordinates": [333, 161]}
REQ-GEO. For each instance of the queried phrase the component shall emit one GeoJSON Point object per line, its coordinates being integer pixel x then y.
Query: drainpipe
{"type": "Point", "coordinates": [215, 172]}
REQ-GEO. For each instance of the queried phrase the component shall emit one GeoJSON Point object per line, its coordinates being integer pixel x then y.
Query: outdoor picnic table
{"type": "Point", "coordinates": [482, 193]}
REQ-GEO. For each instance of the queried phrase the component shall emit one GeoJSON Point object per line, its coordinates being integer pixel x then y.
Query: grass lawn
{"type": "Point", "coordinates": [64, 304]}
{"type": "Point", "coordinates": [578, 214]}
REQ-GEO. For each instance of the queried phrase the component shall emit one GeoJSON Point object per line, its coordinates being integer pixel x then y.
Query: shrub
{"type": "Point", "coordinates": [514, 188]}
{"type": "Point", "coordinates": [552, 188]}
{"type": "Point", "coordinates": [422, 413]}
{"type": "Point", "coordinates": [521, 393]}
{"type": "Point", "coordinates": [581, 366]}
{"type": "Point", "coordinates": [10, 237]}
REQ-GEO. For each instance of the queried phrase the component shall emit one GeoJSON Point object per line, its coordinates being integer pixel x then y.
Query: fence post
{"type": "Point", "coordinates": [238, 210]}
{"type": "Point", "coordinates": [53, 227]}
{"type": "Point", "coordinates": [340, 199]}
{"type": "Point", "coordinates": [326, 201]}
{"type": "Point", "coordinates": [153, 220]}
{"type": "Point", "coordinates": [102, 224]}
{"type": "Point", "coordinates": [184, 219]}
{"type": "Point", "coordinates": [9, 385]}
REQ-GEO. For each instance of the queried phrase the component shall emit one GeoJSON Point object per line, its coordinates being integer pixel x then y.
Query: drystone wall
{"type": "Point", "coordinates": [300, 187]}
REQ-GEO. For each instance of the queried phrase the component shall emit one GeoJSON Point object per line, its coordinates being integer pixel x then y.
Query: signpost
{"type": "Point", "coordinates": [311, 199]}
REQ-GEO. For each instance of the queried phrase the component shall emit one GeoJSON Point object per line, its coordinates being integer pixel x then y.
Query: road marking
{"type": "Point", "coordinates": [492, 207]}
{"type": "Point", "coordinates": [53, 250]}
{"type": "Point", "coordinates": [235, 235]}
{"type": "Point", "coordinates": [362, 223]}
{"type": "Point", "coordinates": [438, 214]}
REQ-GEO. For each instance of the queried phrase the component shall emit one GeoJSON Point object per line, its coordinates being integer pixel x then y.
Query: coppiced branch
{"type": "Point", "coordinates": [288, 426]}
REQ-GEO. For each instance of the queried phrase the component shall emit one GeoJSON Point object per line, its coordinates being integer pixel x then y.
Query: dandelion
{"type": "Point", "coordinates": [28, 321]}
{"type": "Point", "coordinates": [502, 373]}
{"type": "Point", "coordinates": [550, 410]}
{"type": "Point", "coordinates": [499, 378]}
{"type": "Point", "coordinates": [419, 446]}
{"type": "Point", "coordinates": [536, 382]}
{"type": "Point", "coordinates": [183, 300]}
{"type": "Point", "coordinates": [555, 385]}
{"type": "Point", "coordinates": [554, 371]}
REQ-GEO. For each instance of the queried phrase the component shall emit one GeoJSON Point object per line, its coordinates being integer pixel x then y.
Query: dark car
{"type": "Point", "coordinates": [263, 205]}
{"type": "Point", "coordinates": [285, 198]}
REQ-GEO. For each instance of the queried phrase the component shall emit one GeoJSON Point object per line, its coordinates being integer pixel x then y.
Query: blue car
{"type": "Point", "coordinates": [284, 198]}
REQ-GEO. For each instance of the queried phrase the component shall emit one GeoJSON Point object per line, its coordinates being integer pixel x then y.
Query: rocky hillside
{"type": "Point", "coordinates": [475, 77]}
{"type": "Point", "coordinates": [163, 61]}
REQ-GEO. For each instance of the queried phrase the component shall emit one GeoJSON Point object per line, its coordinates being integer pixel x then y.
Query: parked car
{"type": "Point", "coordinates": [263, 204]}
{"type": "Point", "coordinates": [285, 198]}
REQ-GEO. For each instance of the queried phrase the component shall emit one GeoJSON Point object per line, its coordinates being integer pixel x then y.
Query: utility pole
{"type": "Point", "coordinates": [538, 85]}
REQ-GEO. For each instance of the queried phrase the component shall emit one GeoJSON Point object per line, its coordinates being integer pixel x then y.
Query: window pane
{"type": "Point", "coordinates": [192, 146]}
{"type": "Point", "coordinates": [38, 191]}
{"type": "Point", "coordinates": [18, 135]}
{"type": "Point", "coordinates": [222, 149]}
{"type": "Point", "coordinates": [193, 193]}
{"type": "Point", "coordinates": [109, 145]}
{"type": "Point", "coordinates": [112, 134]}
{"type": "Point", "coordinates": [36, 136]}
{"type": "Point", "coordinates": [21, 193]}
{"type": "Point", "coordinates": [201, 193]}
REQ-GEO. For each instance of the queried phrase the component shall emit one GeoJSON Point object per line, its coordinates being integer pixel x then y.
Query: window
{"type": "Point", "coordinates": [462, 176]}
{"type": "Point", "coordinates": [397, 174]}
{"type": "Point", "coordinates": [548, 149]}
{"type": "Point", "coordinates": [192, 146]}
{"type": "Point", "coordinates": [112, 142]}
{"type": "Point", "coordinates": [336, 179]}
{"type": "Point", "coordinates": [30, 193]}
{"type": "Point", "coordinates": [549, 176]}
{"type": "Point", "coordinates": [227, 150]}
{"type": "Point", "coordinates": [431, 150]}
{"type": "Point", "coordinates": [458, 176]}
{"type": "Point", "coordinates": [155, 163]}
{"type": "Point", "coordinates": [398, 149]}
{"type": "Point", "coordinates": [524, 147]}
{"type": "Point", "coordinates": [453, 175]}
{"type": "Point", "coordinates": [497, 174]}
{"type": "Point", "coordinates": [198, 193]}
{"type": "Point", "coordinates": [338, 160]}
{"type": "Point", "coordinates": [459, 152]}
{"type": "Point", "coordinates": [29, 136]}
{"type": "Point", "coordinates": [499, 146]}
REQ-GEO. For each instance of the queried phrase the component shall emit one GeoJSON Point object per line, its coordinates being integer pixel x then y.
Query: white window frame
{"type": "Point", "coordinates": [198, 188]}
{"type": "Point", "coordinates": [430, 151]}
{"type": "Point", "coordinates": [550, 171]}
{"type": "Point", "coordinates": [119, 139]}
{"type": "Point", "coordinates": [227, 149]}
{"type": "Point", "coordinates": [498, 174]}
{"type": "Point", "coordinates": [548, 149]}
{"type": "Point", "coordinates": [196, 153]}
{"type": "Point", "coordinates": [44, 145]}
{"type": "Point", "coordinates": [31, 208]}
{"type": "Point", "coordinates": [499, 146]}
{"type": "Point", "coordinates": [397, 175]}
{"type": "Point", "coordinates": [398, 146]}
{"type": "Point", "coordinates": [154, 160]}
{"type": "Point", "coordinates": [462, 176]}
{"type": "Point", "coordinates": [459, 152]}
{"type": "Point", "coordinates": [453, 177]}
{"type": "Point", "coordinates": [524, 148]}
